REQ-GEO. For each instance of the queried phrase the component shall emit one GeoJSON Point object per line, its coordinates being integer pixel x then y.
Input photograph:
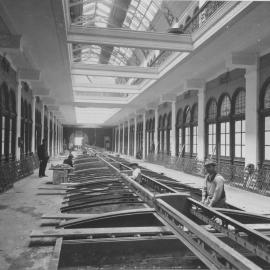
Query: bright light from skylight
{"type": "Point", "coordinates": [78, 140]}
{"type": "Point", "coordinates": [94, 115]}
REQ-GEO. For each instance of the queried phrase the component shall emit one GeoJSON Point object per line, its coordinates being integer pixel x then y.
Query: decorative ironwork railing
{"type": "Point", "coordinates": [196, 22]}
{"type": "Point", "coordinates": [13, 171]}
{"type": "Point", "coordinates": [234, 175]}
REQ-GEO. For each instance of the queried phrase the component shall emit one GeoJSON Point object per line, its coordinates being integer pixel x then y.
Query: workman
{"type": "Point", "coordinates": [213, 193]}
{"type": "Point", "coordinates": [136, 174]}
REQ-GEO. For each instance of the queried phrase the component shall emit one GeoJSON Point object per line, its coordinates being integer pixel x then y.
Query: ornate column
{"type": "Point", "coordinates": [18, 124]}
{"type": "Point", "coordinates": [201, 124]}
{"type": "Point", "coordinates": [156, 130]}
{"type": "Point", "coordinates": [173, 131]}
{"type": "Point", "coordinates": [144, 141]}
{"type": "Point", "coordinates": [33, 124]}
{"type": "Point", "coordinates": [119, 127]}
{"type": "Point", "coordinates": [135, 135]}
{"type": "Point", "coordinates": [128, 146]}
{"type": "Point", "coordinates": [123, 142]}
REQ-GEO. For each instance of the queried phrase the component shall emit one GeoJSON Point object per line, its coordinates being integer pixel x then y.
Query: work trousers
{"type": "Point", "coordinates": [42, 166]}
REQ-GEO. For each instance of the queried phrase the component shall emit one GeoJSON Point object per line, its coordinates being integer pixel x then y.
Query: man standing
{"type": "Point", "coordinates": [213, 193]}
{"type": "Point", "coordinates": [43, 158]}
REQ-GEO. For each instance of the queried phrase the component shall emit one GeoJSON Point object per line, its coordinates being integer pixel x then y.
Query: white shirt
{"type": "Point", "coordinates": [136, 174]}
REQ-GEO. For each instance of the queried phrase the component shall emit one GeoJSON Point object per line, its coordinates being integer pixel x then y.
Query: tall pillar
{"type": "Point", "coordinates": [135, 136]}
{"type": "Point", "coordinates": [173, 131]}
{"type": "Point", "coordinates": [123, 142]}
{"type": "Point", "coordinates": [49, 127]}
{"type": "Point", "coordinates": [119, 138]}
{"type": "Point", "coordinates": [52, 134]}
{"type": "Point", "coordinates": [18, 124]}
{"type": "Point", "coordinates": [42, 122]}
{"type": "Point", "coordinates": [201, 124]}
{"type": "Point", "coordinates": [144, 141]}
{"type": "Point", "coordinates": [252, 143]}
{"type": "Point", "coordinates": [56, 136]}
{"type": "Point", "coordinates": [33, 124]}
{"type": "Point", "coordinates": [156, 131]}
{"type": "Point", "coordinates": [115, 139]}
{"type": "Point", "coordinates": [128, 146]}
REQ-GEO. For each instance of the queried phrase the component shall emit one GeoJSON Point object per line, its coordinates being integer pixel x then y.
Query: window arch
{"type": "Point", "coordinates": [179, 123]}
{"type": "Point", "coordinates": [239, 106]}
{"type": "Point", "coordinates": [187, 133]}
{"type": "Point", "coordinates": [164, 133]}
{"type": "Point", "coordinates": [194, 129]}
{"type": "Point", "coordinates": [211, 126]}
{"type": "Point", "coordinates": [225, 127]}
{"type": "Point", "coordinates": [4, 121]}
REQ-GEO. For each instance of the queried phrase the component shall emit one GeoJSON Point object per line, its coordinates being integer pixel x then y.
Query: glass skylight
{"type": "Point", "coordinates": [94, 115]}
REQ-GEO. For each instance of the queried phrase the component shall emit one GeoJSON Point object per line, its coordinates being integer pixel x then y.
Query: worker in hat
{"type": "Point", "coordinates": [213, 193]}
{"type": "Point", "coordinates": [136, 174]}
{"type": "Point", "coordinates": [68, 160]}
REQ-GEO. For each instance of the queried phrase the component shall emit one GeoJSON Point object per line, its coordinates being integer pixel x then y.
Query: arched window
{"type": "Point", "coordinates": [126, 140]}
{"type": "Point", "coordinates": [239, 123]}
{"type": "Point", "coordinates": [151, 136]}
{"type": "Point", "coordinates": [266, 121]}
{"type": "Point", "coordinates": [194, 129]}
{"type": "Point", "coordinates": [164, 133]}
{"type": "Point", "coordinates": [211, 127]}
{"type": "Point", "coordinates": [12, 125]}
{"type": "Point", "coordinates": [131, 140]}
{"type": "Point", "coordinates": [4, 121]}
{"type": "Point", "coordinates": [224, 113]}
{"type": "Point", "coordinates": [187, 133]}
{"type": "Point", "coordinates": [147, 132]}
{"type": "Point", "coordinates": [179, 123]}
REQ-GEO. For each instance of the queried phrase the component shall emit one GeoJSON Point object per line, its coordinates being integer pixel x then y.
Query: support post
{"type": "Point", "coordinates": [144, 141]}
{"type": "Point", "coordinates": [201, 124]}
{"type": "Point", "coordinates": [128, 146]}
{"type": "Point", "coordinates": [33, 124]}
{"type": "Point", "coordinates": [135, 136]}
{"type": "Point", "coordinates": [18, 124]}
{"type": "Point", "coordinates": [252, 143]}
{"type": "Point", "coordinates": [173, 131]}
{"type": "Point", "coordinates": [156, 131]}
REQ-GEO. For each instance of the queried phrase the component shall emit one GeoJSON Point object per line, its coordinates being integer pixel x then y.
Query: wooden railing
{"type": "Point", "coordinates": [235, 175]}
{"type": "Point", "coordinates": [13, 171]}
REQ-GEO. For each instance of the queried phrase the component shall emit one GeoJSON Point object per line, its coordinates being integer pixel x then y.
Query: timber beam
{"type": "Point", "coordinates": [130, 38]}
{"type": "Point", "coordinates": [115, 71]}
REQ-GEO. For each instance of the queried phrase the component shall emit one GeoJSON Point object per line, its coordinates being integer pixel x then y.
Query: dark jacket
{"type": "Point", "coordinates": [68, 161]}
{"type": "Point", "coordinates": [42, 152]}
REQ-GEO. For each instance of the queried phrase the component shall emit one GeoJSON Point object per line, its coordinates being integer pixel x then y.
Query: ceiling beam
{"type": "Point", "coordinates": [106, 90]}
{"type": "Point", "coordinates": [41, 91]}
{"type": "Point", "coordinates": [101, 101]}
{"type": "Point", "coordinates": [10, 43]}
{"type": "Point", "coordinates": [109, 86]}
{"type": "Point", "coordinates": [29, 74]}
{"type": "Point", "coordinates": [115, 71]}
{"type": "Point", "coordinates": [130, 38]}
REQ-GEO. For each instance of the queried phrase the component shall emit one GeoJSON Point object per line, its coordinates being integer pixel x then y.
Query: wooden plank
{"type": "Point", "coordinates": [110, 214]}
{"type": "Point", "coordinates": [54, 262]}
{"type": "Point", "coordinates": [117, 231]}
{"type": "Point", "coordinates": [66, 216]}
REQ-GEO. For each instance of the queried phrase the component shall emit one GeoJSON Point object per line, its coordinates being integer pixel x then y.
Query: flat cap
{"type": "Point", "coordinates": [210, 162]}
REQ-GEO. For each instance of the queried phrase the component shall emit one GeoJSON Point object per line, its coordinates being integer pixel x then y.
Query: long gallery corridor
{"type": "Point", "coordinates": [134, 134]}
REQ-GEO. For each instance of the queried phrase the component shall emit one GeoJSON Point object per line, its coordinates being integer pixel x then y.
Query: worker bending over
{"type": "Point", "coordinates": [213, 193]}
{"type": "Point", "coordinates": [136, 174]}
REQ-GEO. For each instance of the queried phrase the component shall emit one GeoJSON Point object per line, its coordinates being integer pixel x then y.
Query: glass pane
{"type": "Point", "coordinates": [244, 139]}
{"type": "Point", "coordinates": [225, 106]}
{"type": "Point", "coordinates": [267, 97]}
{"type": "Point", "coordinates": [227, 150]}
{"type": "Point", "coordinates": [238, 151]}
{"type": "Point", "coordinates": [238, 138]}
{"type": "Point", "coordinates": [267, 123]}
{"type": "Point", "coordinates": [237, 126]}
{"type": "Point", "coordinates": [222, 139]}
{"type": "Point", "coordinates": [222, 128]}
{"type": "Point", "coordinates": [267, 138]}
{"type": "Point", "coordinates": [240, 103]}
{"type": "Point", "coordinates": [222, 150]}
{"type": "Point", "coordinates": [244, 125]}
{"type": "Point", "coordinates": [267, 152]}
{"type": "Point", "coordinates": [212, 110]}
